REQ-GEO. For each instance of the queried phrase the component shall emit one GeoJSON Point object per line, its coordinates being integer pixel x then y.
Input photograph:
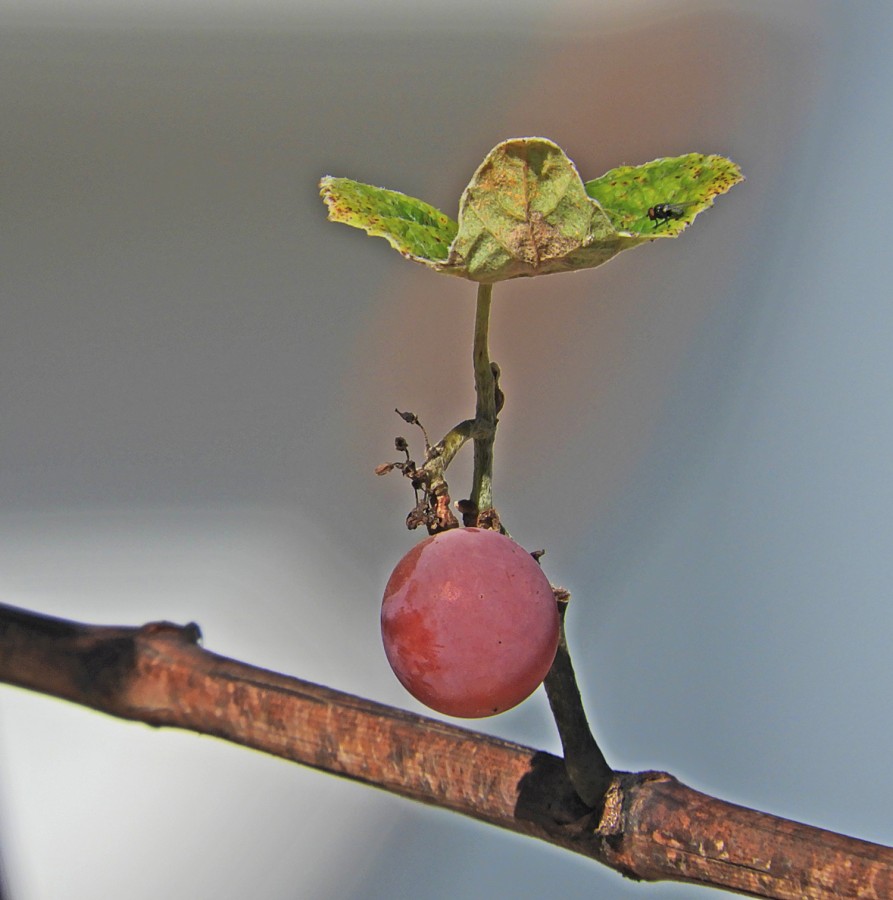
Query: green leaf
{"type": "Point", "coordinates": [685, 184]}
{"type": "Point", "coordinates": [527, 212]}
{"type": "Point", "coordinates": [414, 228]}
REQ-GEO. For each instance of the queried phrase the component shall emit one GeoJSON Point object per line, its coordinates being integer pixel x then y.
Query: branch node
{"type": "Point", "coordinates": [190, 633]}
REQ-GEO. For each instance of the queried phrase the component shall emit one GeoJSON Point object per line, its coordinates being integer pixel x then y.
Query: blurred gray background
{"type": "Point", "coordinates": [198, 375]}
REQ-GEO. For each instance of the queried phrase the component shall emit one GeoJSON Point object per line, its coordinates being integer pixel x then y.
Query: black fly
{"type": "Point", "coordinates": [661, 213]}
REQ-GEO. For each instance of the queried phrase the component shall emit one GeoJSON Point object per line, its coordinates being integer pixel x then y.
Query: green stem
{"type": "Point", "coordinates": [485, 413]}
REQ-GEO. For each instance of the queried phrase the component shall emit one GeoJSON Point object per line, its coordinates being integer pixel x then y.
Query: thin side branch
{"type": "Point", "coordinates": [651, 826]}
{"type": "Point", "coordinates": [587, 767]}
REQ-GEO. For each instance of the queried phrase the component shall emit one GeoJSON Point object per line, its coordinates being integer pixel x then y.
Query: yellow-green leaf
{"type": "Point", "coordinates": [661, 198]}
{"type": "Point", "coordinates": [411, 226]}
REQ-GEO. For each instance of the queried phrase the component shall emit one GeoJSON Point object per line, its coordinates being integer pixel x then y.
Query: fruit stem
{"type": "Point", "coordinates": [586, 766]}
{"type": "Point", "coordinates": [485, 386]}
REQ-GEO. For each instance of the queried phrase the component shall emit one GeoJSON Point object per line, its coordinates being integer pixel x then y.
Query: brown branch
{"type": "Point", "coordinates": [651, 827]}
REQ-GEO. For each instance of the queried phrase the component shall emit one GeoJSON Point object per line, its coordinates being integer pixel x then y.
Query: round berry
{"type": "Point", "coordinates": [469, 622]}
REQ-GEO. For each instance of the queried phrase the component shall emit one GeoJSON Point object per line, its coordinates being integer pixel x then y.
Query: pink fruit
{"type": "Point", "coordinates": [469, 622]}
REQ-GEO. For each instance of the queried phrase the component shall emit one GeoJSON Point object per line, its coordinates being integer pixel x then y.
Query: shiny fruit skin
{"type": "Point", "coordinates": [469, 622]}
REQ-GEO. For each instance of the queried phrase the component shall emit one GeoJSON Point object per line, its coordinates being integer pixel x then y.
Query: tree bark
{"type": "Point", "coordinates": [649, 825]}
